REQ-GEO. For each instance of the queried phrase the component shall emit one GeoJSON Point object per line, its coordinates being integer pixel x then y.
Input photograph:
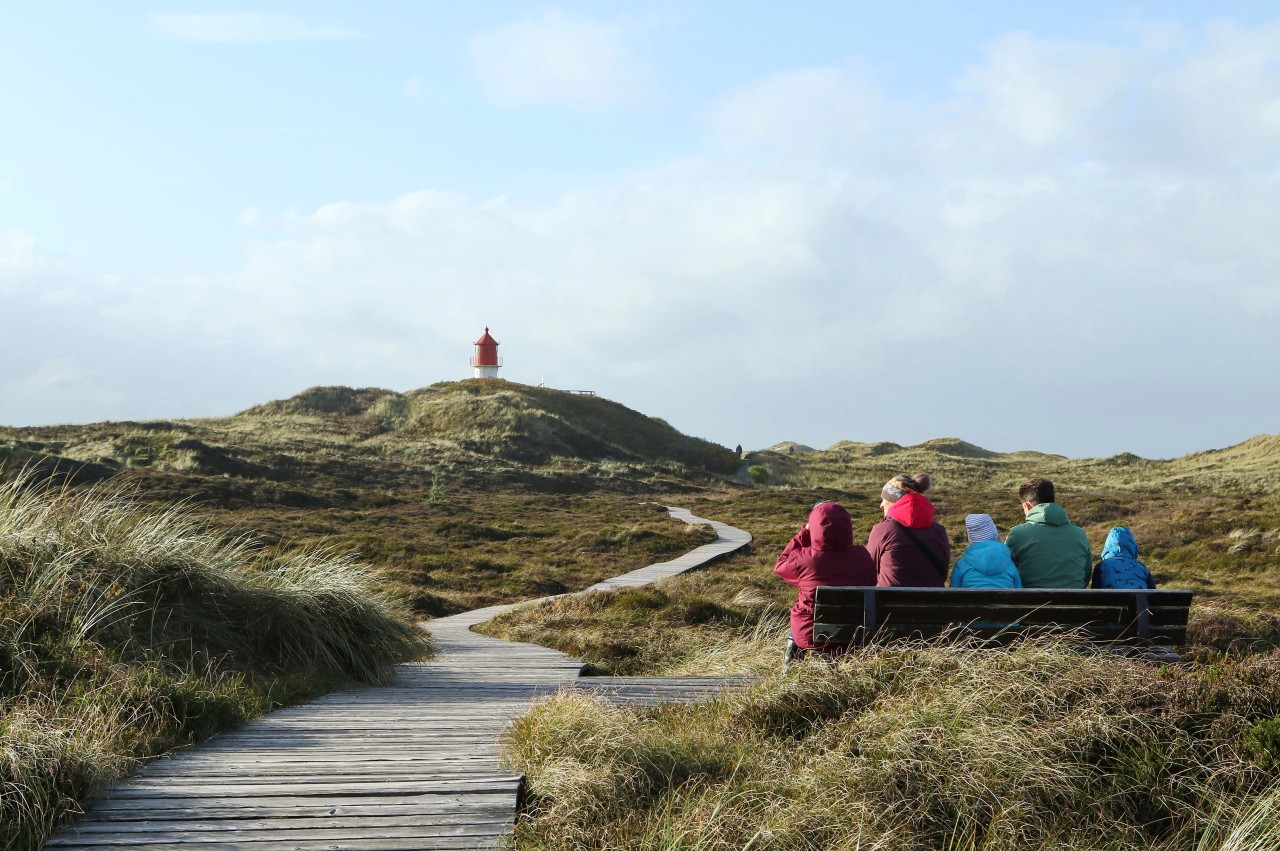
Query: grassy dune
{"type": "Point", "coordinates": [126, 631]}
{"type": "Point", "coordinates": [930, 746]}
{"type": "Point", "coordinates": [459, 495]}
{"type": "Point", "coordinates": [470, 493]}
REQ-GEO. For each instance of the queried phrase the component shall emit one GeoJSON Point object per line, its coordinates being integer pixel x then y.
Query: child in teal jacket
{"type": "Point", "coordinates": [986, 563]}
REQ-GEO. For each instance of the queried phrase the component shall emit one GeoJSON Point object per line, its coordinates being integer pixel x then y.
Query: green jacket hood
{"type": "Point", "coordinates": [1048, 513]}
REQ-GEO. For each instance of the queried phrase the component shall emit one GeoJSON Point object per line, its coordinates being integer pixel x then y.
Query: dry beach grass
{"type": "Point", "coordinates": [920, 747]}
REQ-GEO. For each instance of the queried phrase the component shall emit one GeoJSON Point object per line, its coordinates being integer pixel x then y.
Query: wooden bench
{"type": "Point", "coordinates": [860, 615]}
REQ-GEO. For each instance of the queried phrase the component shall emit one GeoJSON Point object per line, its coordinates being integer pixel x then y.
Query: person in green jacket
{"type": "Point", "coordinates": [1049, 550]}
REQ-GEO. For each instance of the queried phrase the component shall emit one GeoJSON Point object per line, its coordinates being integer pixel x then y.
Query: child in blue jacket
{"type": "Point", "coordinates": [986, 563]}
{"type": "Point", "coordinates": [1120, 567]}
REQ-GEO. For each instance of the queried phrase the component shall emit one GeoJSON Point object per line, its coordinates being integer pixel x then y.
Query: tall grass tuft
{"type": "Point", "coordinates": [126, 630]}
{"type": "Point", "coordinates": [1250, 824]}
{"type": "Point", "coordinates": [94, 564]}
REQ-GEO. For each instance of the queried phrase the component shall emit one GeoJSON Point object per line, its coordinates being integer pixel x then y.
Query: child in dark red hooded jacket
{"type": "Point", "coordinates": [822, 553]}
{"type": "Point", "coordinates": [908, 547]}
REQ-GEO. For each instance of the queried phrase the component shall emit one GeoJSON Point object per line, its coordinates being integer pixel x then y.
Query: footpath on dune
{"type": "Point", "coordinates": [412, 765]}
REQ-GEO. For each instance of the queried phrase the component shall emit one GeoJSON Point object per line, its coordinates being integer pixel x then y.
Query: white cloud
{"type": "Point", "coordinates": [558, 58]}
{"type": "Point", "coordinates": [807, 114]}
{"type": "Point", "coordinates": [244, 27]}
{"type": "Point", "coordinates": [1042, 92]}
{"type": "Point", "coordinates": [18, 252]}
{"type": "Point", "coordinates": [1220, 109]}
{"type": "Point", "coordinates": [1022, 267]}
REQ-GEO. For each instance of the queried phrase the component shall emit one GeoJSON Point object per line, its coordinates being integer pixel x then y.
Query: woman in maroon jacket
{"type": "Point", "coordinates": [821, 553]}
{"type": "Point", "coordinates": [908, 547]}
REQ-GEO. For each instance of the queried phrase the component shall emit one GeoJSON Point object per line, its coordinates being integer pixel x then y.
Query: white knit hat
{"type": "Point", "coordinates": [981, 528]}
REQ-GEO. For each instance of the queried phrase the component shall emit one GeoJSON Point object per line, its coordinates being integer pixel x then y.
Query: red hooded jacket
{"type": "Point", "coordinates": [822, 554]}
{"type": "Point", "coordinates": [898, 560]}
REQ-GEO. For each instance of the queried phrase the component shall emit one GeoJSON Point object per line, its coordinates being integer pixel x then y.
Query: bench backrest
{"type": "Point", "coordinates": [858, 614]}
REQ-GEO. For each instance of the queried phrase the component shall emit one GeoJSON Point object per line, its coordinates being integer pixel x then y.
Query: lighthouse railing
{"type": "Point", "coordinates": [477, 361]}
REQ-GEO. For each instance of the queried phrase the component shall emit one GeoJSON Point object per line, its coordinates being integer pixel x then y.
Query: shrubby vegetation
{"type": "Point", "coordinates": [459, 495]}
{"type": "Point", "coordinates": [510, 421]}
{"type": "Point", "coordinates": [928, 746]}
{"type": "Point", "coordinates": [920, 747]}
{"type": "Point", "coordinates": [472, 493]}
{"type": "Point", "coordinates": [127, 630]}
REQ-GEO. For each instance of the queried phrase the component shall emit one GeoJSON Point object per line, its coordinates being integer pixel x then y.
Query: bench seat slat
{"type": "Point", "coordinates": [845, 614]}
{"type": "Point", "coordinates": [1160, 616]}
{"type": "Point", "coordinates": [847, 633]}
{"type": "Point", "coordinates": [924, 613]}
{"type": "Point", "coordinates": [1034, 596]}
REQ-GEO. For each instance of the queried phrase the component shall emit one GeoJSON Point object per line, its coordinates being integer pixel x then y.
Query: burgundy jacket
{"type": "Point", "coordinates": [898, 560]}
{"type": "Point", "coordinates": [822, 554]}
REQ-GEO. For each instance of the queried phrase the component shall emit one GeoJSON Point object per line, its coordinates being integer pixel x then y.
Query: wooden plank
{"type": "Point", "coordinates": [300, 827]}
{"type": "Point", "coordinates": [200, 787]}
{"type": "Point", "coordinates": [852, 595]}
{"type": "Point", "coordinates": [845, 633]}
{"type": "Point", "coordinates": [471, 842]}
{"type": "Point", "coordinates": [962, 613]}
{"type": "Point", "coordinates": [380, 825]}
{"type": "Point", "coordinates": [321, 762]}
{"type": "Point", "coordinates": [1106, 615]}
{"type": "Point", "coordinates": [214, 808]}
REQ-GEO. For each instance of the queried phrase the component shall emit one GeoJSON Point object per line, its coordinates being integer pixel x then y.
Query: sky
{"type": "Point", "coordinates": [1046, 226]}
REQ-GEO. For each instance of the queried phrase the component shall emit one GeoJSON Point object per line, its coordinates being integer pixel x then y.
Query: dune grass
{"type": "Point", "coordinates": [126, 631]}
{"type": "Point", "coordinates": [918, 747]}
{"type": "Point", "coordinates": [459, 495]}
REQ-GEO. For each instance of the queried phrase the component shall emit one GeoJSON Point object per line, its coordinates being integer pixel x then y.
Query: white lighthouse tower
{"type": "Point", "coordinates": [485, 362]}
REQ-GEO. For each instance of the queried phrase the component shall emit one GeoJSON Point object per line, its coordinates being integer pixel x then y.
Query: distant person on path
{"type": "Point", "coordinates": [1120, 567]}
{"type": "Point", "coordinates": [1049, 550]}
{"type": "Point", "coordinates": [986, 563]}
{"type": "Point", "coordinates": [821, 553]}
{"type": "Point", "coordinates": [908, 547]}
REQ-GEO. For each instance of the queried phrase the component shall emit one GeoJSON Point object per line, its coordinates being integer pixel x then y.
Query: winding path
{"type": "Point", "coordinates": [413, 765]}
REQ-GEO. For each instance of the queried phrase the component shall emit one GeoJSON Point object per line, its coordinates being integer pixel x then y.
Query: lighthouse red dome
{"type": "Point", "coordinates": [486, 351]}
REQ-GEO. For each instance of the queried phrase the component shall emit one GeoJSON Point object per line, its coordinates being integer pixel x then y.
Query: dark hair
{"type": "Point", "coordinates": [1036, 490]}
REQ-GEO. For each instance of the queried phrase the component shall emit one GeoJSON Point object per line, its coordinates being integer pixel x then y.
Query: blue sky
{"type": "Point", "coordinates": [1044, 226]}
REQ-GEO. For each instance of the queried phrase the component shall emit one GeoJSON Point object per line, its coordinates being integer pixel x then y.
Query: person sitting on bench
{"type": "Point", "coordinates": [1049, 550]}
{"type": "Point", "coordinates": [986, 563]}
{"type": "Point", "coordinates": [908, 547]}
{"type": "Point", "coordinates": [1120, 567]}
{"type": "Point", "coordinates": [821, 553]}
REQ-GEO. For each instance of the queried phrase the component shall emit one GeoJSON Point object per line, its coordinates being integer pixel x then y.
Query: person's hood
{"type": "Point", "coordinates": [912, 511]}
{"type": "Point", "coordinates": [1049, 513]}
{"type": "Point", "coordinates": [990, 566]}
{"type": "Point", "coordinates": [1120, 542]}
{"type": "Point", "coordinates": [830, 527]}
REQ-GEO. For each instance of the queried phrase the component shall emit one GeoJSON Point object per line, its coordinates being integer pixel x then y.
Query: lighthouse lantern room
{"type": "Point", "coordinates": [485, 362]}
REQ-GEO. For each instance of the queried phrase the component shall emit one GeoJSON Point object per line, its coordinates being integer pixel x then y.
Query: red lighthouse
{"type": "Point", "coordinates": [485, 362]}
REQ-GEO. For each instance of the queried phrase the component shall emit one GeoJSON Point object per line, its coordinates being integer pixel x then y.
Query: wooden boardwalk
{"type": "Point", "coordinates": [412, 765]}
